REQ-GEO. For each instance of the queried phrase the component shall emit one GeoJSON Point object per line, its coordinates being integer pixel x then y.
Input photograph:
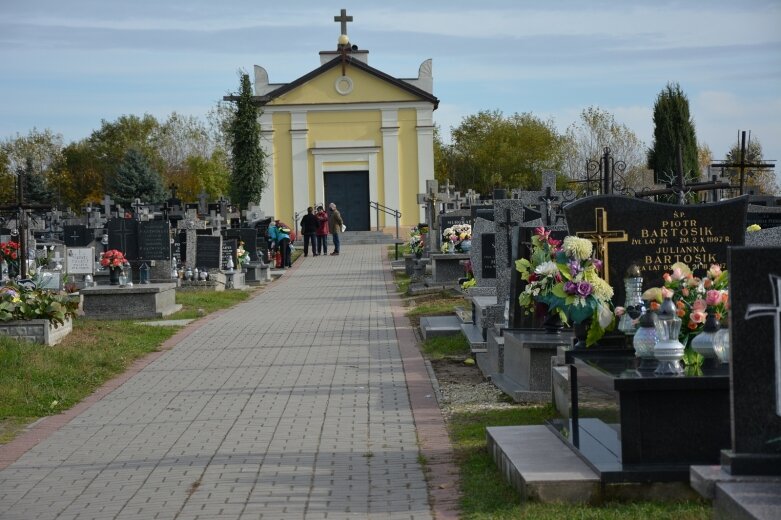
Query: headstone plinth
{"type": "Point", "coordinates": [139, 301]}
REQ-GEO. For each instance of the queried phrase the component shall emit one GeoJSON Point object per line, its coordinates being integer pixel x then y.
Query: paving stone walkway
{"type": "Point", "coordinates": [291, 405]}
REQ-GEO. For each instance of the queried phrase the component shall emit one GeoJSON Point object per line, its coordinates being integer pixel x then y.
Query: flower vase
{"type": "Point", "coordinates": [451, 248]}
{"type": "Point", "coordinates": [552, 323]}
{"type": "Point", "coordinates": [418, 254]}
{"type": "Point", "coordinates": [13, 269]}
{"type": "Point", "coordinates": [581, 333]}
{"type": "Point", "coordinates": [466, 245]}
{"type": "Point", "coordinates": [114, 273]}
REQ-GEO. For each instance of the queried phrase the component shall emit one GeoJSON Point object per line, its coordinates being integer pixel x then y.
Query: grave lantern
{"type": "Point", "coordinates": [704, 343]}
{"type": "Point", "coordinates": [644, 340]}
{"type": "Point", "coordinates": [633, 302]}
{"type": "Point", "coordinates": [668, 350]}
{"type": "Point", "coordinates": [143, 274]}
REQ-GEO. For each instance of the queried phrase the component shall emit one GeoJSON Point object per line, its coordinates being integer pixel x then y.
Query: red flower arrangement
{"type": "Point", "coordinates": [113, 258]}
{"type": "Point", "coordinates": [9, 251]}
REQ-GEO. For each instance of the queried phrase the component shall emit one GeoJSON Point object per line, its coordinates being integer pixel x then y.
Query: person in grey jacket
{"type": "Point", "coordinates": [335, 222]}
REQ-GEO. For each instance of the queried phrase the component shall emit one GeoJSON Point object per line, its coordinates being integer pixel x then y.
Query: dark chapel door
{"type": "Point", "coordinates": [350, 192]}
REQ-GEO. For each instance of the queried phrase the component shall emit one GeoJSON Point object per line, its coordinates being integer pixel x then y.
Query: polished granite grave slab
{"type": "Point", "coordinates": [634, 426]}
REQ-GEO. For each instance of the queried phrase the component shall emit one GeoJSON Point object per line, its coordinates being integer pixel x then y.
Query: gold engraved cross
{"type": "Point", "coordinates": [601, 236]}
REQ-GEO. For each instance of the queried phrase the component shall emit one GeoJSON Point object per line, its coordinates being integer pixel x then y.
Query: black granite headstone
{"type": "Point", "coordinates": [180, 245]}
{"type": "Point", "coordinates": [654, 236]}
{"type": "Point", "coordinates": [446, 221]}
{"type": "Point", "coordinates": [77, 236]}
{"type": "Point", "coordinates": [755, 361]}
{"type": "Point", "coordinates": [250, 238]}
{"type": "Point", "coordinates": [123, 236]}
{"type": "Point", "coordinates": [765, 219]}
{"type": "Point", "coordinates": [229, 251]}
{"type": "Point", "coordinates": [208, 252]}
{"type": "Point", "coordinates": [522, 248]}
{"type": "Point", "coordinates": [154, 240]}
{"type": "Point", "coordinates": [485, 211]}
{"type": "Point", "coordinates": [488, 251]}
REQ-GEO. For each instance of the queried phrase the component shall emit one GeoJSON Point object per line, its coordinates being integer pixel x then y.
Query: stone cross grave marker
{"type": "Point", "coordinates": [107, 202]}
{"type": "Point", "coordinates": [545, 199]}
{"type": "Point", "coordinates": [203, 203]}
{"type": "Point", "coordinates": [773, 310]}
{"type": "Point", "coordinates": [755, 361]}
{"type": "Point", "coordinates": [508, 215]}
{"type": "Point", "coordinates": [216, 220]}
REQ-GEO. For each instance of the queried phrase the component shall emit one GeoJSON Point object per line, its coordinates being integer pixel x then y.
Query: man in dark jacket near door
{"type": "Point", "coordinates": [309, 230]}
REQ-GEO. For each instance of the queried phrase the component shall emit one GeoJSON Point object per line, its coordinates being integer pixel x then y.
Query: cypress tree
{"type": "Point", "coordinates": [673, 126]}
{"type": "Point", "coordinates": [248, 175]}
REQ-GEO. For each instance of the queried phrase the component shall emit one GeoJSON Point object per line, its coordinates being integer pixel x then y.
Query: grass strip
{"type": "Point", "coordinates": [443, 347]}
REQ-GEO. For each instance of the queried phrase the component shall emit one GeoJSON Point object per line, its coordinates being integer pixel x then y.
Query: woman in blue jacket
{"type": "Point", "coordinates": [280, 237]}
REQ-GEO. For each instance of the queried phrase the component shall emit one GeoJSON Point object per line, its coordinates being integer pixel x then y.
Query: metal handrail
{"type": "Point", "coordinates": [389, 211]}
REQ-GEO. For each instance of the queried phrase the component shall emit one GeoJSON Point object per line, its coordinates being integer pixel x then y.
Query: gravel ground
{"type": "Point", "coordinates": [462, 388]}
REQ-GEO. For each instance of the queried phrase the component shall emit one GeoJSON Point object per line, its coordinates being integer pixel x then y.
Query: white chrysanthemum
{"type": "Point", "coordinates": [577, 247]}
{"type": "Point", "coordinates": [547, 268]}
{"type": "Point", "coordinates": [602, 289]}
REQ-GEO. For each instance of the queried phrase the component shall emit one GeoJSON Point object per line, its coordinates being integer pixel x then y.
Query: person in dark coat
{"type": "Point", "coordinates": [309, 230]}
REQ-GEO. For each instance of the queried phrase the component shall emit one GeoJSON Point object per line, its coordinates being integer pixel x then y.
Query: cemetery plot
{"type": "Point", "coordinates": [654, 236]}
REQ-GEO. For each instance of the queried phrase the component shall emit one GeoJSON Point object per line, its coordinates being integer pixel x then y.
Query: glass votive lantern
{"type": "Point", "coordinates": [668, 350]}
{"type": "Point", "coordinates": [721, 345]}
{"type": "Point", "coordinates": [704, 342]}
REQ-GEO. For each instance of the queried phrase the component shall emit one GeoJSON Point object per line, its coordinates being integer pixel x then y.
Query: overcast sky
{"type": "Point", "coordinates": [67, 64]}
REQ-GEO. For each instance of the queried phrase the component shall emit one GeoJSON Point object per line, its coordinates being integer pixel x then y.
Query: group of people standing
{"type": "Point", "coordinates": [316, 226]}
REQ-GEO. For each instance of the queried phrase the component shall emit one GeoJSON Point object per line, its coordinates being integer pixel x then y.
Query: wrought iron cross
{"type": "Point", "coordinates": [756, 310]}
{"type": "Point", "coordinates": [21, 208]}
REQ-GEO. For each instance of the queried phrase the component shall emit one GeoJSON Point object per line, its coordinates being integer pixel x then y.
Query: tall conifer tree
{"type": "Point", "coordinates": [673, 126]}
{"type": "Point", "coordinates": [248, 175]}
{"type": "Point", "coordinates": [135, 179]}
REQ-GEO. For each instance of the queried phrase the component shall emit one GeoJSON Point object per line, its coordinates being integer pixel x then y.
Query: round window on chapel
{"type": "Point", "coordinates": [343, 85]}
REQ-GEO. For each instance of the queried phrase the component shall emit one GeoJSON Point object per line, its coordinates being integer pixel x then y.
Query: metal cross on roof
{"type": "Point", "coordinates": [343, 19]}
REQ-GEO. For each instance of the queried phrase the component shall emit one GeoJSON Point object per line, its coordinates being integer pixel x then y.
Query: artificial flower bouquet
{"type": "Point", "coordinates": [416, 241]}
{"type": "Point", "coordinates": [9, 251]}
{"type": "Point", "coordinates": [694, 297]}
{"type": "Point", "coordinates": [113, 258]}
{"type": "Point", "coordinates": [456, 234]}
{"type": "Point", "coordinates": [566, 277]}
{"type": "Point", "coordinates": [242, 255]}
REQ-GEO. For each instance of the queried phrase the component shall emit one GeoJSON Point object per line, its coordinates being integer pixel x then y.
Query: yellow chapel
{"type": "Point", "coordinates": [350, 134]}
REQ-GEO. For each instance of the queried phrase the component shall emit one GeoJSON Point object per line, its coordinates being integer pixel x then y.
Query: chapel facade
{"type": "Point", "coordinates": [347, 133]}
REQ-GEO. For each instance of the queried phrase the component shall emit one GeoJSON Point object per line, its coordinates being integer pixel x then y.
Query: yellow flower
{"type": "Point", "coordinates": [753, 227]}
{"type": "Point", "coordinates": [577, 247]}
{"type": "Point", "coordinates": [601, 289]}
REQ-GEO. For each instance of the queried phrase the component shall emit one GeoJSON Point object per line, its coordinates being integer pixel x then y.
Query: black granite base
{"type": "Point", "coordinates": [634, 426]}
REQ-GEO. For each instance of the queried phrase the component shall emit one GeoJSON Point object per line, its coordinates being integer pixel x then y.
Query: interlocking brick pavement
{"type": "Point", "coordinates": [293, 404]}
